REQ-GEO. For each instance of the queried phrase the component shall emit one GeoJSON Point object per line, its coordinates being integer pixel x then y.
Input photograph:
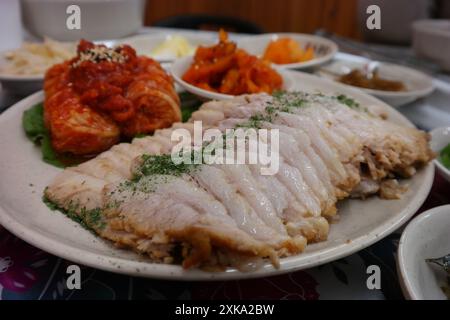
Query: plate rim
{"type": "Point", "coordinates": [185, 61]}
{"type": "Point", "coordinates": [146, 268]}
{"type": "Point", "coordinates": [305, 64]}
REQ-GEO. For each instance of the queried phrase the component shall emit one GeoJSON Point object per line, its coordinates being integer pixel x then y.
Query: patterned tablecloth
{"type": "Point", "coordinates": [29, 273]}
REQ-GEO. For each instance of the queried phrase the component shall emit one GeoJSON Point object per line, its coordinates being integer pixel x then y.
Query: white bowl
{"type": "Point", "coordinates": [431, 39]}
{"type": "Point", "coordinates": [440, 138]}
{"type": "Point", "coordinates": [20, 84]}
{"type": "Point", "coordinates": [427, 236]}
{"type": "Point", "coordinates": [180, 66]}
{"type": "Point", "coordinates": [417, 83]}
{"type": "Point", "coordinates": [324, 49]}
{"type": "Point", "coordinates": [100, 19]}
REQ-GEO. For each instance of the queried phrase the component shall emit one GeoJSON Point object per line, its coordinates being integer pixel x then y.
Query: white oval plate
{"type": "Point", "coordinates": [418, 84]}
{"type": "Point", "coordinates": [324, 49]}
{"type": "Point", "coordinates": [440, 138]}
{"type": "Point", "coordinates": [427, 236]}
{"type": "Point", "coordinates": [180, 66]}
{"type": "Point", "coordinates": [24, 176]}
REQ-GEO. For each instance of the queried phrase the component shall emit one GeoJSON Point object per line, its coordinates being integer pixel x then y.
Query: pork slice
{"type": "Point", "coordinates": [217, 182]}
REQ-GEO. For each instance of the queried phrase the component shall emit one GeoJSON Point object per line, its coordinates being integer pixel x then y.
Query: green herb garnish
{"type": "Point", "coordinates": [282, 102]}
{"type": "Point", "coordinates": [286, 102]}
{"type": "Point", "coordinates": [153, 171]}
{"type": "Point", "coordinates": [347, 101]}
{"type": "Point", "coordinates": [161, 165]}
{"type": "Point", "coordinates": [255, 121]}
{"type": "Point", "coordinates": [91, 219]}
{"type": "Point", "coordinates": [50, 204]}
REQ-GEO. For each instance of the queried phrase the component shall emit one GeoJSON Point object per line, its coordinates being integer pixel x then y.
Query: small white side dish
{"type": "Point", "coordinates": [417, 83]}
{"type": "Point", "coordinates": [20, 84]}
{"type": "Point", "coordinates": [440, 138]}
{"type": "Point", "coordinates": [431, 39]}
{"type": "Point", "coordinates": [180, 66]}
{"type": "Point", "coordinates": [324, 49]}
{"type": "Point", "coordinates": [145, 44]}
{"type": "Point", "coordinates": [100, 19]}
{"type": "Point", "coordinates": [427, 236]}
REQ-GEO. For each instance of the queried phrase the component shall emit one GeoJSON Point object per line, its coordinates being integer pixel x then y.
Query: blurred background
{"type": "Point", "coordinates": [118, 18]}
{"type": "Point", "coordinates": [266, 15]}
{"type": "Point", "coordinates": [345, 18]}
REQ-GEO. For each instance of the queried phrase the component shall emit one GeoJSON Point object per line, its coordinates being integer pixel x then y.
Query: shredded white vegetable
{"type": "Point", "coordinates": [36, 58]}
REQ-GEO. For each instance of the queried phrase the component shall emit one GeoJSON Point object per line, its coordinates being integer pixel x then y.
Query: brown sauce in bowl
{"type": "Point", "coordinates": [359, 79]}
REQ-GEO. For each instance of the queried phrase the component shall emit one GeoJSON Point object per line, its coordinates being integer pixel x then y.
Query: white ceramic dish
{"type": "Point", "coordinates": [324, 49]}
{"type": "Point", "coordinates": [440, 138]}
{"type": "Point", "coordinates": [100, 19]}
{"type": "Point", "coordinates": [427, 236]}
{"type": "Point", "coordinates": [431, 39]}
{"type": "Point", "coordinates": [24, 176]}
{"type": "Point", "coordinates": [20, 84]}
{"type": "Point", "coordinates": [180, 66]}
{"type": "Point", "coordinates": [145, 44]}
{"type": "Point", "coordinates": [417, 83]}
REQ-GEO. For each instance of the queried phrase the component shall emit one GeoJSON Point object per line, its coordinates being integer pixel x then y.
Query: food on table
{"type": "Point", "coordinates": [226, 69]}
{"type": "Point", "coordinates": [444, 156]}
{"type": "Point", "coordinates": [36, 58]}
{"type": "Point", "coordinates": [34, 127]}
{"type": "Point", "coordinates": [173, 47]}
{"type": "Point", "coordinates": [36, 131]}
{"type": "Point", "coordinates": [443, 262]}
{"type": "Point", "coordinates": [287, 50]}
{"type": "Point", "coordinates": [359, 78]}
{"type": "Point", "coordinates": [103, 94]}
{"type": "Point", "coordinates": [214, 216]}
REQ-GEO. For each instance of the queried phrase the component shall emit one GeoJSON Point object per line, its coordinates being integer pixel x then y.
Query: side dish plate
{"type": "Point", "coordinates": [324, 49]}
{"type": "Point", "coordinates": [417, 83]}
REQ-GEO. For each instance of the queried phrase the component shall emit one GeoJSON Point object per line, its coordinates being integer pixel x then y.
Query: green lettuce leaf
{"type": "Point", "coordinates": [33, 124]}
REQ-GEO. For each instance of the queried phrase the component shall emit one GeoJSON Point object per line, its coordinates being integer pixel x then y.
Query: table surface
{"type": "Point", "coordinates": [29, 273]}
